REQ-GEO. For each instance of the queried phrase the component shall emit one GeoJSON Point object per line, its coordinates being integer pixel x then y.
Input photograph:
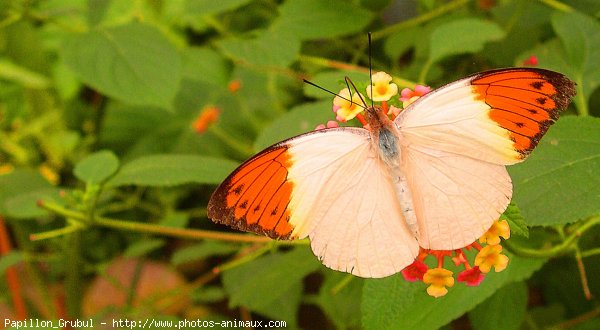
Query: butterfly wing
{"type": "Point", "coordinates": [455, 198]}
{"type": "Point", "coordinates": [328, 185]}
{"type": "Point", "coordinates": [457, 139]}
{"type": "Point", "coordinates": [497, 116]}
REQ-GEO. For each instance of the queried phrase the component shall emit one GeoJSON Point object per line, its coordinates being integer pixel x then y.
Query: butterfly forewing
{"type": "Point", "coordinates": [328, 185]}
{"type": "Point", "coordinates": [496, 116]}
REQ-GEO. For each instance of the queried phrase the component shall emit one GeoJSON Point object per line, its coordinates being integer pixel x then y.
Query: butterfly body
{"type": "Point", "coordinates": [434, 177]}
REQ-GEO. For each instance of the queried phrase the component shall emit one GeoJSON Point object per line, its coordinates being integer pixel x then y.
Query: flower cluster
{"type": "Point", "coordinates": [440, 279]}
{"type": "Point", "coordinates": [348, 105]}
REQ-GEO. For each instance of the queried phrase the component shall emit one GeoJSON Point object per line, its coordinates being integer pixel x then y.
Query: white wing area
{"type": "Point", "coordinates": [452, 119]}
{"type": "Point", "coordinates": [345, 201]}
{"type": "Point", "coordinates": [456, 198]}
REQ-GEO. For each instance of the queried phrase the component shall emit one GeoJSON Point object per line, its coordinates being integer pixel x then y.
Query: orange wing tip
{"type": "Point", "coordinates": [524, 101]}
{"type": "Point", "coordinates": [256, 196]}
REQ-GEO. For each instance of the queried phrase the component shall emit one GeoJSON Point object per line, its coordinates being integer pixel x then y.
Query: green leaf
{"type": "Point", "coordinates": [265, 50]}
{"type": "Point", "coordinates": [393, 303]}
{"type": "Point", "coordinates": [503, 310]}
{"type": "Point", "coordinates": [21, 189]}
{"type": "Point", "coordinates": [202, 251]}
{"type": "Point", "coordinates": [134, 63]}
{"type": "Point", "coordinates": [463, 36]}
{"type": "Point", "coordinates": [97, 167]}
{"type": "Point", "coordinates": [301, 119]}
{"type": "Point", "coordinates": [517, 224]}
{"type": "Point", "coordinates": [342, 307]}
{"type": "Point", "coordinates": [211, 7]}
{"type": "Point", "coordinates": [204, 64]}
{"type": "Point", "coordinates": [143, 246]}
{"type": "Point", "coordinates": [558, 183]}
{"type": "Point", "coordinates": [170, 170]}
{"type": "Point", "coordinates": [313, 19]}
{"type": "Point", "coordinates": [10, 259]}
{"type": "Point", "coordinates": [580, 36]}
{"type": "Point", "coordinates": [208, 295]}
{"type": "Point", "coordinates": [271, 285]}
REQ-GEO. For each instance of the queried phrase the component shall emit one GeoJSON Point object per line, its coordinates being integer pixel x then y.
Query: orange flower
{"type": "Point", "coordinates": [490, 256]}
{"type": "Point", "coordinates": [497, 230]}
{"type": "Point", "coordinates": [234, 85]}
{"type": "Point", "coordinates": [439, 279]}
{"type": "Point", "coordinates": [208, 116]}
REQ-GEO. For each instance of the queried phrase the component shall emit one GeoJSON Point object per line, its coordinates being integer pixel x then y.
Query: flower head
{"type": "Point", "coordinates": [439, 279]}
{"type": "Point", "coordinates": [382, 89]}
{"type": "Point", "coordinates": [207, 116]}
{"type": "Point", "coordinates": [471, 277]}
{"type": "Point", "coordinates": [531, 61]}
{"type": "Point", "coordinates": [345, 109]}
{"type": "Point", "coordinates": [234, 85]}
{"type": "Point", "coordinates": [415, 271]}
{"type": "Point", "coordinates": [408, 96]}
{"type": "Point", "coordinates": [490, 256]}
{"type": "Point", "coordinates": [497, 230]}
{"type": "Point", "coordinates": [330, 124]}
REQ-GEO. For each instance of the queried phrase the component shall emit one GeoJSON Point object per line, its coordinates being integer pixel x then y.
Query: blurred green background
{"type": "Point", "coordinates": [119, 118]}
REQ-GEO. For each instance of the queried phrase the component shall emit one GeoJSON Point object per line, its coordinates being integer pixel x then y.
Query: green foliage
{"type": "Point", "coordinates": [96, 167]}
{"type": "Point", "coordinates": [278, 279]}
{"type": "Point", "coordinates": [134, 63]}
{"type": "Point", "coordinates": [170, 170]}
{"type": "Point", "coordinates": [456, 37]}
{"type": "Point", "coordinates": [561, 171]}
{"type": "Point", "coordinates": [393, 303]}
{"type": "Point", "coordinates": [504, 310]}
{"type": "Point", "coordinates": [119, 118]}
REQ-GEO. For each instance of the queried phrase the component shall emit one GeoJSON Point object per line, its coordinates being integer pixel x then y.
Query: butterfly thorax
{"type": "Point", "coordinates": [384, 135]}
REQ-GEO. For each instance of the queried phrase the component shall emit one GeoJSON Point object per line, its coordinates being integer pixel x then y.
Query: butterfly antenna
{"type": "Point", "coordinates": [370, 68]}
{"type": "Point", "coordinates": [364, 106]}
{"type": "Point", "coordinates": [335, 94]}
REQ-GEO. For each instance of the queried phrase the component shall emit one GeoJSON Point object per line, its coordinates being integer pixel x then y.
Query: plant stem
{"type": "Point", "coordinates": [558, 5]}
{"type": "Point", "coordinates": [73, 283]}
{"type": "Point", "coordinates": [439, 11]}
{"type": "Point", "coordinates": [196, 234]}
{"type": "Point", "coordinates": [560, 249]}
{"type": "Point", "coordinates": [242, 148]}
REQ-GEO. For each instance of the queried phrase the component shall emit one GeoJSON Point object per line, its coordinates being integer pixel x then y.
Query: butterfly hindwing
{"type": "Point", "coordinates": [456, 198]}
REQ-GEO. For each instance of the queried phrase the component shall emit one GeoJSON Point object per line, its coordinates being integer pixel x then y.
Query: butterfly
{"type": "Point", "coordinates": [435, 177]}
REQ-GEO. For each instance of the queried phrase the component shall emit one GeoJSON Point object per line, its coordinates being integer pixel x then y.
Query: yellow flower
{"type": "Point", "coordinates": [345, 109]}
{"type": "Point", "coordinates": [492, 236]}
{"type": "Point", "coordinates": [49, 173]}
{"type": "Point", "coordinates": [384, 89]}
{"type": "Point", "coordinates": [490, 256]}
{"type": "Point", "coordinates": [439, 278]}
